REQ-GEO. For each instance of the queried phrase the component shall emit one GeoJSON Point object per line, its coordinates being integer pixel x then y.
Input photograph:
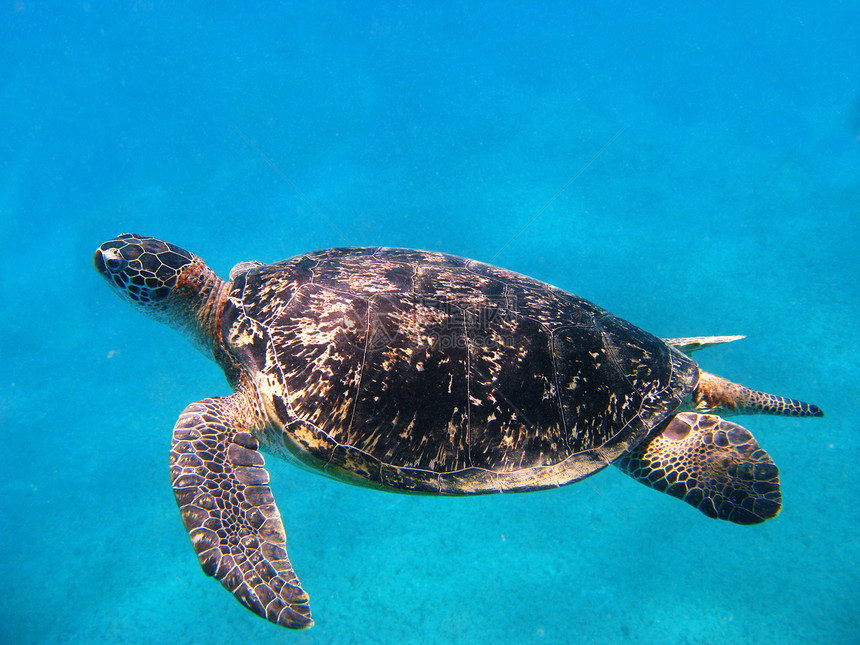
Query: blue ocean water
{"type": "Point", "coordinates": [726, 201]}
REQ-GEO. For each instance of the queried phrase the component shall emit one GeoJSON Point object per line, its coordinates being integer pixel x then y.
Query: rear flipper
{"type": "Point", "coordinates": [222, 490]}
{"type": "Point", "coordinates": [695, 343]}
{"type": "Point", "coordinates": [713, 464]}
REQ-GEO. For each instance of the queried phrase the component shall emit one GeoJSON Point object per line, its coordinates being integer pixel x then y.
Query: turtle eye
{"type": "Point", "coordinates": [112, 260]}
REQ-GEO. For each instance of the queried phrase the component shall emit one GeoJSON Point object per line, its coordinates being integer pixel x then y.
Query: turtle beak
{"type": "Point", "coordinates": [99, 262]}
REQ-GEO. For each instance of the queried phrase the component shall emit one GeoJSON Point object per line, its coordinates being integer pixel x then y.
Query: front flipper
{"type": "Point", "coordinates": [711, 463]}
{"type": "Point", "coordinates": [222, 490]}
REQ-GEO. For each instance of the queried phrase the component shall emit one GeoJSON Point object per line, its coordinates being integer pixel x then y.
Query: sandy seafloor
{"type": "Point", "coordinates": [729, 203]}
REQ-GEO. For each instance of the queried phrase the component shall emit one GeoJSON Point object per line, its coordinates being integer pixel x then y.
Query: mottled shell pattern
{"type": "Point", "coordinates": [426, 372]}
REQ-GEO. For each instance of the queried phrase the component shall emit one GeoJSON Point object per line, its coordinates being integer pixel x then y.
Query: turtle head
{"type": "Point", "coordinates": [142, 270]}
{"type": "Point", "coordinates": [165, 282]}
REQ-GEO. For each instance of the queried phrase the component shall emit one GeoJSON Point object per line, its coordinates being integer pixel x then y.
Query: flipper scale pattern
{"type": "Point", "coordinates": [228, 508]}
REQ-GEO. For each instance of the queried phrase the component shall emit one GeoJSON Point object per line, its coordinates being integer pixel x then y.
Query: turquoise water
{"type": "Point", "coordinates": [727, 202]}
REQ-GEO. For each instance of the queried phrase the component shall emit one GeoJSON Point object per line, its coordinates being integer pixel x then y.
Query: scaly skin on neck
{"type": "Point", "coordinates": [196, 304]}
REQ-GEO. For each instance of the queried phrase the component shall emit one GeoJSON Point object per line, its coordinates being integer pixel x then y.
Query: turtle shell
{"type": "Point", "coordinates": [426, 372]}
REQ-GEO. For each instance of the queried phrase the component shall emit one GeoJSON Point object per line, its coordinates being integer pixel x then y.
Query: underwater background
{"type": "Point", "coordinates": [715, 159]}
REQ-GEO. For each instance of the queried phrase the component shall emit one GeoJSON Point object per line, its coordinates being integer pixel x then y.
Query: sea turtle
{"type": "Point", "coordinates": [422, 372]}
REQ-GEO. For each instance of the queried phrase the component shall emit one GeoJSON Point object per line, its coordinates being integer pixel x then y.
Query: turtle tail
{"type": "Point", "coordinates": [721, 396]}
